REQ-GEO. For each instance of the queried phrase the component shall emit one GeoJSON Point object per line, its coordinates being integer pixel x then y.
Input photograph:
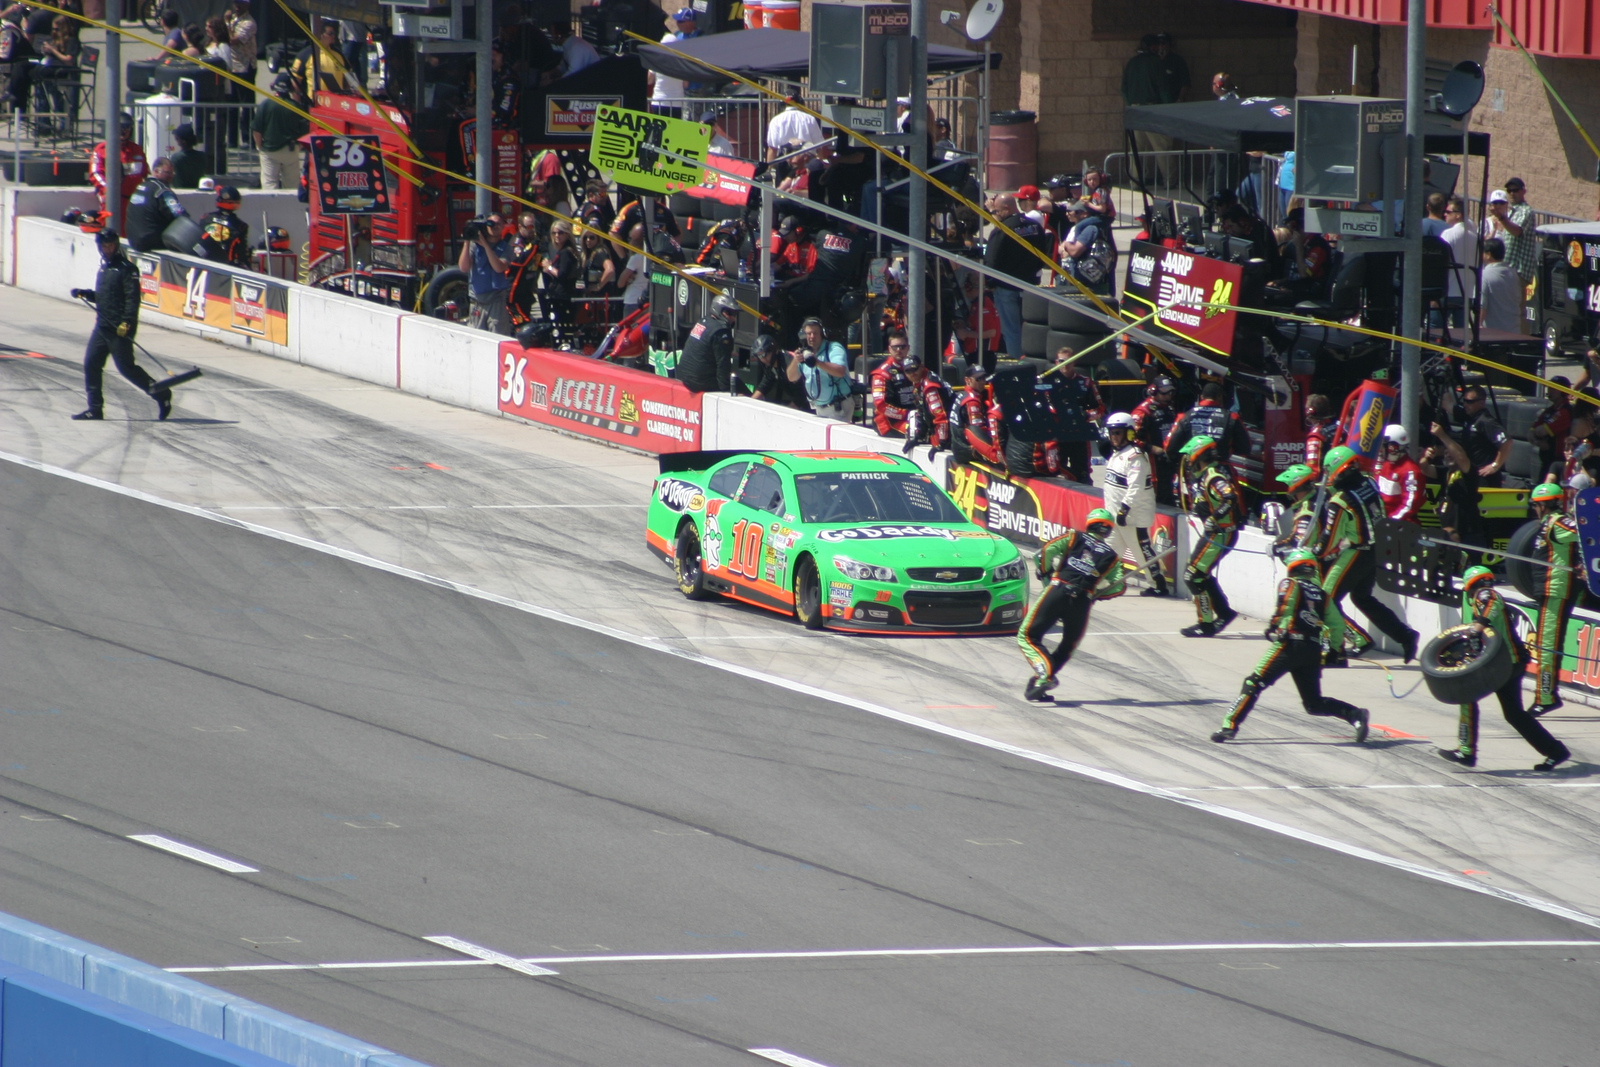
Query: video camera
{"type": "Point", "coordinates": [479, 226]}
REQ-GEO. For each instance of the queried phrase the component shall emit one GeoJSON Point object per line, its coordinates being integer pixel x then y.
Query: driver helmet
{"type": "Point", "coordinates": [1476, 576]}
{"type": "Point", "coordinates": [1199, 450]}
{"type": "Point", "coordinates": [1547, 493]}
{"type": "Point", "coordinates": [1120, 420]}
{"type": "Point", "coordinates": [1099, 522]}
{"type": "Point", "coordinates": [1300, 557]}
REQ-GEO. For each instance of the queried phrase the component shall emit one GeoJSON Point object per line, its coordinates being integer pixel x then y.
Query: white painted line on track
{"type": "Point", "coordinates": [1385, 785]}
{"type": "Point", "coordinates": [777, 1055]}
{"type": "Point", "coordinates": [178, 848]}
{"type": "Point", "coordinates": [886, 953]}
{"type": "Point", "coordinates": [1113, 778]}
{"type": "Point", "coordinates": [489, 955]}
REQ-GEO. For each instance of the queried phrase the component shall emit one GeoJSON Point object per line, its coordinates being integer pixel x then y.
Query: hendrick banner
{"type": "Point", "coordinates": [224, 298]}
{"type": "Point", "coordinates": [1031, 511]}
{"type": "Point", "coordinates": [596, 399]}
{"type": "Point", "coordinates": [1178, 283]}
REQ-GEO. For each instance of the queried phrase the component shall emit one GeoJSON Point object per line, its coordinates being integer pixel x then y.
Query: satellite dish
{"type": "Point", "coordinates": [985, 14]}
{"type": "Point", "coordinates": [1462, 89]}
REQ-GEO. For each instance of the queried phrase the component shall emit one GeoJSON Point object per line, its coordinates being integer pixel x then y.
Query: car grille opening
{"type": "Point", "coordinates": [947, 609]}
{"type": "Point", "coordinates": [945, 574]}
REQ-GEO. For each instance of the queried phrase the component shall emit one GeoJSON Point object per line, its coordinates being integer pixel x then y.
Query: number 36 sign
{"type": "Point", "coordinates": [348, 172]}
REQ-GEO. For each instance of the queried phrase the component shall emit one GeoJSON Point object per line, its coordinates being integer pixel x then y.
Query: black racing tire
{"type": "Point", "coordinates": [1460, 667]}
{"type": "Point", "coordinates": [1526, 578]}
{"type": "Point", "coordinates": [1019, 456]}
{"type": "Point", "coordinates": [149, 14]}
{"type": "Point", "coordinates": [1080, 316]}
{"type": "Point", "coordinates": [808, 594]}
{"type": "Point", "coordinates": [448, 286]}
{"type": "Point", "coordinates": [686, 564]}
{"type": "Point", "coordinates": [1035, 309]}
{"type": "Point", "coordinates": [1035, 339]}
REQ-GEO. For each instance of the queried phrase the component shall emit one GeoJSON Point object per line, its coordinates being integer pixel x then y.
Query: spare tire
{"type": "Point", "coordinates": [1080, 316]}
{"type": "Point", "coordinates": [1461, 665]}
{"type": "Point", "coordinates": [1019, 456]}
{"type": "Point", "coordinates": [1035, 338]}
{"type": "Point", "coordinates": [1526, 578]}
{"type": "Point", "coordinates": [1035, 308]}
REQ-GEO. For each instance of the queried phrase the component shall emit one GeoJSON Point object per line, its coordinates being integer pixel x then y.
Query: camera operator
{"type": "Point", "coordinates": [483, 256]}
{"type": "Point", "coordinates": [825, 369]}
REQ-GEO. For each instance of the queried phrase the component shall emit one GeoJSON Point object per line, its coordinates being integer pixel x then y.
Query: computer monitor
{"type": "Point", "coordinates": [1191, 222]}
{"type": "Point", "coordinates": [1239, 249]}
{"type": "Point", "coordinates": [1216, 244]}
{"type": "Point", "coordinates": [1162, 223]}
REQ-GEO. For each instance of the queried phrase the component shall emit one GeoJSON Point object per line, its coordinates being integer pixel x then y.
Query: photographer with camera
{"type": "Point", "coordinates": [484, 251]}
{"type": "Point", "coordinates": [825, 369]}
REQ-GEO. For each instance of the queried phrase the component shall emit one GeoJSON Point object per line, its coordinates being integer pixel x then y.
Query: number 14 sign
{"type": "Point", "coordinates": [349, 175]}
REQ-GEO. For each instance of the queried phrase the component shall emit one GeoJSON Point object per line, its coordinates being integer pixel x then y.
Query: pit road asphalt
{"type": "Point", "coordinates": [400, 760]}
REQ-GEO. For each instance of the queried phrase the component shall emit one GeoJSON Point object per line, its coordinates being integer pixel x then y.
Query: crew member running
{"type": "Point", "coordinates": [1210, 495]}
{"type": "Point", "coordinates": [1078, 569]}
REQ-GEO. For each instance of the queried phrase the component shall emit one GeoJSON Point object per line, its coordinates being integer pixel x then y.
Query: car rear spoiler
{"type": "Point", "coordinates": [672, 462]}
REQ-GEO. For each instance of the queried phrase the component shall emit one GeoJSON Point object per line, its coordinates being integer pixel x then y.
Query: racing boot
{"type": "Point", "coordinates": [1223, 619]}
{"type": "Point", "coordinates": [1551, 763]}
{"type": "Point", "coordinates": [1455, 756]}
{"type": "Point", "coordinates": [1359, 717]}
{"type": "Point", "coordinates": [1200, 629]}
{"type": "Point", "coordinates": [1035, 689]}
{"type": "Point", "coordinates": [1227, 733]}
{"type": "Point", "coordinates": [1408, 647]}
{"type": "Point", "coordinates": [1538, 709]}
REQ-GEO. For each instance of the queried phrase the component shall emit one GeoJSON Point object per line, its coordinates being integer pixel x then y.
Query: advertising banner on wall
{"type": "Point", "coordinates": [238, 301]}
{"type": "Point", "coordinates": [599, 400]}
{"type": "Point", "coordinates": [1179, 282]}
{"type": "Point", "coordinates": [1031, 511]}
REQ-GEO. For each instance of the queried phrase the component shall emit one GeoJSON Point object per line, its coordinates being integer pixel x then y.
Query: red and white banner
{"type": "Point", "coordinates": [597, 399]}
{"type": "Point", "coordinates": [1179, 282]}
{"type": "Point", "coordinates": [724, 188]}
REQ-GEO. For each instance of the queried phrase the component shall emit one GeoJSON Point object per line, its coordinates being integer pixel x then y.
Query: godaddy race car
{"type": "Point", "coordinates": [847, 540]}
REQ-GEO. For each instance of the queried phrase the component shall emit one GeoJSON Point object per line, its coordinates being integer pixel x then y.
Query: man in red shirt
{"type": "Point", "coordinates": [976, 420]}
{"type": "Point", "coordinates": [1400, 481]}
{"type": "Point", "coordinates": [134, 167]}
{"type": "Point", "coordinates": [894, 394]}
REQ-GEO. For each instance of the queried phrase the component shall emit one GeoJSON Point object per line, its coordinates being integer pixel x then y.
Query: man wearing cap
{"type": "Point", "coordinates": [134, 165]}
{"type": "Point", "coordinates": [152, 208]}
{"type": "Point", "coordinates": [1152, 424]}
{"type": "Point", "coordinates": [930, 419]}
{"type": "Point", "coordinates": [1511, 220]}
{"type": "Point", "coordinates": [894, 394]}
{"type": "Point", "coordinates": [1088, 250]}
{"type": "Point", "coordinates": [1028, 203]}
{"type": "Point", "coordinates": [115, 297]}
{"type": "Point", "coordinates": [1013, 257]}
{"type": "Point", "coordinates": [975, 420]}
{"type": "Point", "coordinates": [277, 131]}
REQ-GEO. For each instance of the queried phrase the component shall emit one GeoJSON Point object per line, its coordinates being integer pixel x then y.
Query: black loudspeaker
{"type": "Point", "coordinates": [848, 54]}
{"type": "Point", "coordinates": [141, 76]}
{"type": "Point", "coordinates": [192, 81]}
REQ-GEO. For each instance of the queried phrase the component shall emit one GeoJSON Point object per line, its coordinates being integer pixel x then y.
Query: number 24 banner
{"type": "Point", "coordinates": [349, 175]}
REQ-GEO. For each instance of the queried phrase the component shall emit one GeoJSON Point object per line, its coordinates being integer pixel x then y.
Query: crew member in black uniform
{"type": "Point", "coordinates": [153, 207]}
{"type": "Point", "coordinates": [1152, 425]}
{"type": "Point", "coordinates": [115, 297]}
{"type": "Point", "coordinates": [1078, 569]}
{"type": "Point", "coordinates": [225, 238]}
{"type": "Point", "coordinates": [839, 253]}
{"type": "Point", "coordinates": [1085, 394]}
{"type": "Point", "coordinates": [1210, 417]}
{"type": "Point", "coordinates": [707, 361]}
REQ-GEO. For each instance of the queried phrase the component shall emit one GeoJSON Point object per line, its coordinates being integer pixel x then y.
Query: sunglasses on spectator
{"type": "Point", "coordinates": [897, 344]}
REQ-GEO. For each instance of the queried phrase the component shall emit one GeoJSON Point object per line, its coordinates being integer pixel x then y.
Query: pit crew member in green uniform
{"type": "Point", "coordinates": [1211, 495]}
{"type": "Point", "coordinates": [1557, 544]}
{"type": "Point", "coordinates": [1078, 568]}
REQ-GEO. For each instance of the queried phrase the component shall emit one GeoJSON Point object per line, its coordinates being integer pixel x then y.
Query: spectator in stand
{"type": "Point", "coordinates": [576, 53]}
{"type": "Point", "coordinates": [1457, 509]}
{"type": "Point", "coordinates": [133, 165]}
{"type": "Point", "coordinates": [720, 145]}
{"type": "Point", "coordinates": [1097, 194]}
{"type": "Point", "coordinates": [488, 283]}
{"type": "Point", "coordinates": [277, 131]}
{"type": "Point", "coordinates": [772, 382]}
{"type": "Point", "coordinates": [1089, 253]}
{"type": "Point", "coordinates": [194, 40]}
{"type": "Point", "coordinates": [825, 369]}
{"type": "Point", "coordinates": [1085, 395]}
{"type": "Point", "coordinates": [242, 40]}
{"type": "Point", "coordinates": [1012, 257]}
{"type": "Point", "coordinates": [1511, 220]}
{"type": "Point", "coordinates": [1063, 191]}
{"type": "Point", "coordinates": [596, 209]}
{"type": "Point", "coordinates": [790, 129]}
{"type": "Point", "coordinates": [634, 281]}
{"type": "Point", "coordinates": [188, 162]}
{"type": "Point", "coordinates": [1502, 290]}
{"type": "Point", "coordinates": [1210, 418]}
{"type": "Point", "coordinates": [172, 29]}
{"type": "Point", "coordinates": [15, 51]}
{"type": "Point", "coordinates": [944, 149]}
{"type": "Point", "coordinates": [1550, 426]}
{"type": "Point", "coordinates": [552, 193]}
{"type": "Point", "coordinates": [1485, 441]}
{"type": "Point", "coordinates": [1575, 451]}
{"type": "Point", "coordinates": [1153, 420]}
{"type": "Point", "coordinates": [1465, 252]}
{"type": "Point", "coordinates": [1028, 203]}
{"type": "Point", "coordinates": [1322, 426]}
{"type": "Point", "coordinates": [597, 281]}
{"type": "Point", "coordinates": [1400, 480]}
{"type": "Point", "coordinates": [894, 394]}
{"type": "Point", "coordinates": [1143, 82]}
{"type": "Point", "coordinates": [320, 66]}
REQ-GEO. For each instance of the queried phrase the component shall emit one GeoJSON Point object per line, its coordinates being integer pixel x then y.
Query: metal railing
{"type": "Point", "coordinates": [221, 127]}
{"type": "Point", "coordinates": [59, 110]}
{"type": "Point", "coordinates": [1196, 175]}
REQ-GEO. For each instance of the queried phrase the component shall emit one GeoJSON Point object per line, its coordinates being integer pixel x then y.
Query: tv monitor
{"type": "Point", "coordinates": [1162, 223]}
{"type": "Point", "coordinates": [1191, 223]}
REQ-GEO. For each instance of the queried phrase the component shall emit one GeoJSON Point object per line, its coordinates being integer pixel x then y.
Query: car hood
{"type": "Point", "coordinates": [915, 545]}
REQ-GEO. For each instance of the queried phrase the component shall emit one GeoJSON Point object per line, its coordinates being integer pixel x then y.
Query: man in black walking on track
{"type": "Point", "coordinates": [115, 297]}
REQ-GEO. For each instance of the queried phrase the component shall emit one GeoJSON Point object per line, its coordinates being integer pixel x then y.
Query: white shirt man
{"type": "Point", "coordinates": [792, 126]}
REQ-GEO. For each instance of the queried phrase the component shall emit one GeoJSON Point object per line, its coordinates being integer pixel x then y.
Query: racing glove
{"type": "Point", "coordinates": [83, 294]}
{"type": "Point", "coordinates": [123, 328]}
{"type": "Point", "coordinates": [1122, 515]}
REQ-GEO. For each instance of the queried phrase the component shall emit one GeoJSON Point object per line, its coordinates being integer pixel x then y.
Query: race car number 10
{"type": "Point", "coordinates": [514, 383]}
{"type": "Point", "coordinates": [746, 559]}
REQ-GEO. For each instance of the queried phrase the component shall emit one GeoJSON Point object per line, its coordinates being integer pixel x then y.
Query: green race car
{"type": "Point", "coordinates": [849, 540]}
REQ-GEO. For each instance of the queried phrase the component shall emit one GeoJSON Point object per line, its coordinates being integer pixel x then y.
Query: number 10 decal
{"type": "Point", "coordinates": [746, 558]}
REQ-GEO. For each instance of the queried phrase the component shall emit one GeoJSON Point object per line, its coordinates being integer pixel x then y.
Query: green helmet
{"type": "Point", "coordinates": [1099, 517]}
{"type": "Point", "coordinates": [1337, 461]}
{"type": "Point", "coordinates": [1475, 575]}
{"type": "Point", "coordinates": [1300, 557]}
{"type": "Point", "coordinates": [1547, 493]}
{"type": "Point", "coordinates": [1297, 476]}
{"type": "Point", "coordinates": [1195, 447]}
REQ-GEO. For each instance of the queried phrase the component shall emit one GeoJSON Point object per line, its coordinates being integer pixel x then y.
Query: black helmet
{"type": "Point", "coordinates": [228, 197]}
{"type": "Point", "coordinates": [765, 346]}
{"type": "Point", "coordinates": [723, 304]}
{"type": "Point", "coordinates": [107, 235]}
{"type": "Point", "coordinates": [849, 303]}
{"type": "Point", "coordinates": [536, 335]}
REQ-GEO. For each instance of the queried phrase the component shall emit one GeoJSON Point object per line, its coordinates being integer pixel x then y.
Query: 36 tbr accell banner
{"type": "Point", "coordinates": [1178, 283]}
{"type": "Point", "coordinates": [596, 399]}
{"type": "Point", "coordinates": [238, 301]}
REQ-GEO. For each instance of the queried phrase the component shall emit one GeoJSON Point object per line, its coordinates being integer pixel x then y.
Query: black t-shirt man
{"type": "Point", "coordinates": [1482, 437]}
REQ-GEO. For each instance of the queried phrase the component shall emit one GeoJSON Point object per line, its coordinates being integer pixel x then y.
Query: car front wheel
{"type": "Point", "coordinates": [808, 595]}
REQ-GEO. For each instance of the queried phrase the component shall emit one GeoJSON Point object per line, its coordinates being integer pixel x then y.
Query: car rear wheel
{"type": "Point", "coordinates": [686, 562]}
{"type": "Point", "coordinates": [808, 595]}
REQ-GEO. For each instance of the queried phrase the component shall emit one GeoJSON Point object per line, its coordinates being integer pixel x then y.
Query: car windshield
{"type": "Point", "coordinates": [872, 496]}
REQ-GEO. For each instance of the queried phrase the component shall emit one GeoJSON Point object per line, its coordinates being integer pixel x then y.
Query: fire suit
{"type": "Point", "coordinates": [1557, 544]}
{"type": "Point", "coordinates": [894, 398]}
{"type": "Point", "coordinates": [930, 418]}
{"type": "Point", "coordinates": [1152, 425]}
{"type": "Point", "coordinates": [1296, 635]}
{"type": "Point", "coordinates": [1402, 487]}
{"type": "Point", "coordinates": [1343, 545]}
{"type": "Point", "coordinates": [134, 168]}
{"type": "Point", "coordinates": [1212, 497]}
{"type": "Point", "coordinates": [1129, 496]}
{"type": "Point", "coordinates": [975, 426]}
{"type": "Point", "coordinates": [1079, 569]}
{"type": "Point", "coordinates": [1483, 606]}
{"type": "Point", "coordinates": [1302, 519]}
{"type": "Point", "coordinates": [1319, 438]}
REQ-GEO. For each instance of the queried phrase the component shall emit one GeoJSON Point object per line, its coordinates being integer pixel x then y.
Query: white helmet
{"type": "Point", "coordinates": [1120, 420]}
{"type": "Point", "coordinates": [1396, 435]}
